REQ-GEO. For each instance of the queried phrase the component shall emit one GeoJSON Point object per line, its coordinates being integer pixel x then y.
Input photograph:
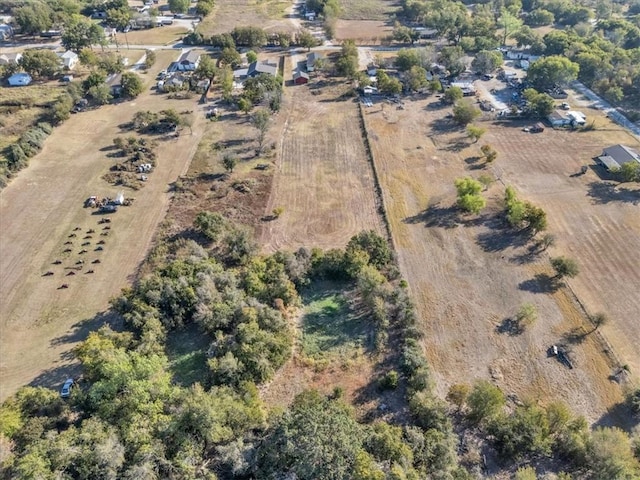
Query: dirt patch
{"type": "Point", "coordinates": [41, 210]}
{"type": "Point", "coordinates": [363, 31]}
{"type": "Point", "coordinates": [323, 179]}
{"type": "Point", "coordinates": [468, 275]}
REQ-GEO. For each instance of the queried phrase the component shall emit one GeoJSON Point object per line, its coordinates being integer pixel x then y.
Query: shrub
{"type": "Point", "coordinates": [389, 381]}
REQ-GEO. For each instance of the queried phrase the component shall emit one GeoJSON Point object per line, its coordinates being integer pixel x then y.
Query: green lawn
{"type": "Point", "coordinates": [330, 325]}
{"type": "Point", "coordinates": [187, 352]}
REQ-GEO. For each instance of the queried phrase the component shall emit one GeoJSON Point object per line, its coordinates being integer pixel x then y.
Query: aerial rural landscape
{"type": "Point", "coordinates": [320, 239]}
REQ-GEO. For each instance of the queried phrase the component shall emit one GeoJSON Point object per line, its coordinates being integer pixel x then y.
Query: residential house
{"type": "Point", "coordinates": [558, 118]}
{"type": "Point", "coordinates": [187, 62]}
{"type": "Point", "coordinates": [10, 58]}
{"type": "Point", "coordinates": [372, 70]}
{"type": "Point", "coordinates": [114, 82]}
{"type": "Point", "coordinates": [256, 68]}
{"type": "Point", "coordinates": [300, 78]}
{"type": "Point", "coordinates": [69, 59]}
{"type": "Point", "coordinates": [20, 79]}
{"type": "Point", "coordinates": [617, 155]}
{"type": "Point", "coordinates": [312, 58]}
{"type": "Point", "coordinates": [468, 89]}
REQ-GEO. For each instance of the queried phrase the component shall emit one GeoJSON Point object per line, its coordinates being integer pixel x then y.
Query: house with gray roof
{"type": "Point", "coordinates": [187, 62]}
{"type": "Point", "coordinates": [256, 68]}
{"type": "Point", "coordinates": [617, 155]}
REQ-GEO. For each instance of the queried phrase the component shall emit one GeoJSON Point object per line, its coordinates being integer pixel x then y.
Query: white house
{"type": "Point", "coordinates": [69, 59]}
{"type": "Point", "coordinates": [19, 79]}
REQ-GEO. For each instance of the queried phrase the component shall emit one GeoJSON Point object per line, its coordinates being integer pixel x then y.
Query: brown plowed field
{"type": "Point", "coordinates": [468, 275]}
{"type": "Point", "coordinates": [42, 207]}
{"type": "Point", "coordinates": [323, 179]}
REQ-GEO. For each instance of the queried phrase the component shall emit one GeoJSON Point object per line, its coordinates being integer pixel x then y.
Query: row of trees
{"type": "Point", "coordinates": [252, 37]}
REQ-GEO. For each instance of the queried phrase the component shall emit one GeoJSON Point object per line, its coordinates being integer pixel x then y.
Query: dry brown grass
{"type": "Point", "coordinates": [367, 9]}
{"type": "Point", "coordinates": [323, 179]}
{"type": "Point", "coordinates": [152, 36]}
{"type": "Point", "coordinates": [22, 107]}
{"type": "Point", "coordinates": [40, 209]}
{"type": "Point", "coordinates": [363, 31]}
{"type": "Point", "coordinates": [467, 275]}
{"type": "Point", "coordinates": [268, 14]}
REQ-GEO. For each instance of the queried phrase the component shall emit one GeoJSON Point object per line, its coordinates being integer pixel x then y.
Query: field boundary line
{"type": "Point", "coordinates": [382, 208]}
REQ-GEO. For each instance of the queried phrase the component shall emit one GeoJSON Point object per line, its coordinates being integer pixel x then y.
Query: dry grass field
{"type": "Point", "coordinates": [21, 108]}
{"type": "Point", "coordinates": [152, 36]}
{"type": "Point", "coordinates": [42, 208]}
{"type": "Point", "coordinates": [363, 31]}
{"type": "Point", "coordinates": [468, 275]}
{"type": "Point", "coordinates": [268, 14]}
{"type": "Point", "coordinates": [367, 9]}
{"type": "Point", "coordinates": [323, 179]}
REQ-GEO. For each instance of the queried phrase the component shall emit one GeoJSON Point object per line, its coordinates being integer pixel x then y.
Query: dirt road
{"type": "Point", "coordinates": [40, 211]}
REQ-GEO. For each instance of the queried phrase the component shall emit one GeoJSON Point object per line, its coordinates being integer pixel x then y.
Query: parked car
{"type": "Point", "coordinates": [487, 76]}
{"type": "Point", "coordinates": [65, 392]}
{"type": "Point", "coordinates": [565, 106]}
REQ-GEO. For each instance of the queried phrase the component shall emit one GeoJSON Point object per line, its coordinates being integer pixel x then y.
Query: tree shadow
{"type": "Point", "coordinates": [603, 192]}
{"type": "Point", "coordinates": [54, 377]}
{"type": "Point", "coordinates": [444, 125]}
{"type": "Point", "coordinates": [619, 415]}
{"type": "Point", "coordinates": [437, 216]}
{"type": "Point", "coordinates": [500, 238]}
{"type": "Point", "coordinates": [575, 336]}
{"type": "Point", "coordinates": [541, 283]}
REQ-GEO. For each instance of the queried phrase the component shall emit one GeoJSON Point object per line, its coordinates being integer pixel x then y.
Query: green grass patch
{"type": "Point", "coordinates": [367, 9]}
{"type": "Point", "coordinates": [332, 326]}
{"type": "Point", "coordinates": [187, 353]}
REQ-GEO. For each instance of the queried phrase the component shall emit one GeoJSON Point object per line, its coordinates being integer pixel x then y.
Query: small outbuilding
{"type": "Point", "coordinates": [10, 58]}
{"type": "Point", "coordinates": [558, 118]}
{"type": "Point", "coordinates": [20, 79]}
{"type": "Point", "coordinates": [68, 59]}
{"type": "Point", "coordinates": [312, 58]}
{"type": "Point", "coordinates": [300, 78]}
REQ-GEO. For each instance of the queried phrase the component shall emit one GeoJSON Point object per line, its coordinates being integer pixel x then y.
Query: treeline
{"type": "Point", "coordinates": [129, 419]}
{"type": "Point", "coordinates": [252, 37]}
{"type": "Point", "coordinates": [606, 53]}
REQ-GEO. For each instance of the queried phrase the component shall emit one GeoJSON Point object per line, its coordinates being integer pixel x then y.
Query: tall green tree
{"type": "Point", "coordinates": [80, 32]}
{"type": "Point", "coordinates": [552, 71]}
{"type": "Point", "coordinates": [40, 63]}
{"type": "Point", "coordinates": [179, 6]}
{"type": "Point", "coordinates": [317, 439]}
{"type": "Point", "coordinates": [132, 85]}
{"type": "Point", "coordinates": [34, 18]}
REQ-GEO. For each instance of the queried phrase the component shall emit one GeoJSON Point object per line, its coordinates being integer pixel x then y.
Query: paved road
{"type": "Point", "coordinates": [606, 107]}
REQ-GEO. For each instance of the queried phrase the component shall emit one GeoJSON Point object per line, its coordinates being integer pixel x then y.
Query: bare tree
{"type": "Point", "coordinates": [261, 120]}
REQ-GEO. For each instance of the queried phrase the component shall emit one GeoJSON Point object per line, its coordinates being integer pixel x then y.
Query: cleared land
{"type": "Point", "coordinates": [469, 275]}
{"type": "Point", "coordinates": [367, 9]}
{"type": "Point", "coordinates": [268, 14]}
{"type": "Point", "coordinates": [363, 31]}
{"type": "Point", "coordinates": [42, 207]}
{"type": "Point", "coordinates": [323, 179]}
